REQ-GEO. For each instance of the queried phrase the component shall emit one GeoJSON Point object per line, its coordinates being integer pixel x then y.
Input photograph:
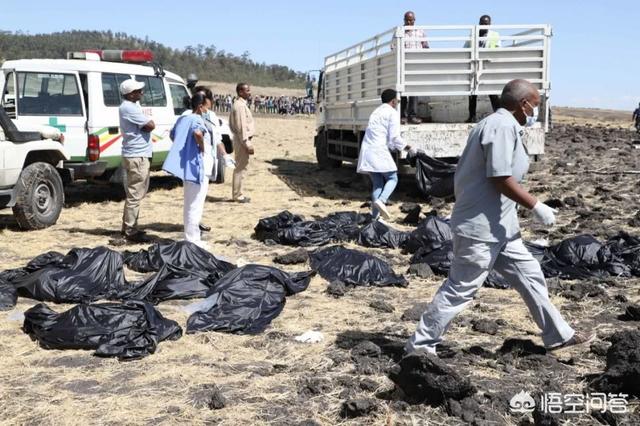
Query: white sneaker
{"type": "Point", "coordinates": [382, 209]}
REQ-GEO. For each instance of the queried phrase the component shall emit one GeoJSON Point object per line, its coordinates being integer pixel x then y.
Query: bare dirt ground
{"type": "Point", "coordinates": [594, 116]}
{"type": "Point", "coordinates": [270, 378]}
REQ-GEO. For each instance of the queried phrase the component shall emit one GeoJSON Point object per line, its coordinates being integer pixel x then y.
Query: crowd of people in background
{"type": "Point", "coordinates": [283, 105]}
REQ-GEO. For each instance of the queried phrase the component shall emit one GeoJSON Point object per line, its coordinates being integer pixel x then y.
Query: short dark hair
{"type": "Point", "coordinates": [388, 95]}
{"type": "Point", "coordinates": [239, 87]}
{"type": "Point", "coordinates": [204, 90]}
{"type": "Point", "coordinates": [197, 99]}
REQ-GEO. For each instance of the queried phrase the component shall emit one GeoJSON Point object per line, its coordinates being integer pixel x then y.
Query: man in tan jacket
{"type": "Point", "coordinates": [242, 127]}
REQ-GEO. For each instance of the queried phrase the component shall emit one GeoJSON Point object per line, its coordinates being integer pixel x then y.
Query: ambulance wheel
{"type": "Point", "coordinates": [39, 196]}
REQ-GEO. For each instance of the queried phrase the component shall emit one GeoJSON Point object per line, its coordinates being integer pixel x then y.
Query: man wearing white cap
{"type": "Point", "coordinates": [136, 131]}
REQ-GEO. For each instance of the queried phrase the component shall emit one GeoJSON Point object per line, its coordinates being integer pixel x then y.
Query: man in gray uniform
{"type": "Point", "coordinates": [486, 232]}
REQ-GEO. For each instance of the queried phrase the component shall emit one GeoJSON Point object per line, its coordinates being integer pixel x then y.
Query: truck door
{"type": "Point", "coordinates": [51, 99]}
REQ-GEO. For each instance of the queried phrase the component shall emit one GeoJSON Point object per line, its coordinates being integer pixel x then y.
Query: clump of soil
{"type": "Point", "coordinates": [426, 378]}
{"type": "Point", "coordinates": [358, 407]}
{"type": "Point", "coordinates": [292, 258]}
{"type": "Point", "coordinates": [382, 306]}
{"type": "Point", "coordinates": [622, 374]}
{"type": "Point", "coordinates": [208, 396]}
{"type": "Point", "coordinates": [415, 312]}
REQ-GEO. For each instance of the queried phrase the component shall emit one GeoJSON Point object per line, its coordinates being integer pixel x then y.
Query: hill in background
{"type": "Point", "coordinates": [207, 62]}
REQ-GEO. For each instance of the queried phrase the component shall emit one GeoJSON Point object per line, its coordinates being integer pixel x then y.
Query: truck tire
{"type": "Point", "coordinates": [321, 153]}
{"type": "Point", "coordinates": [39, 196]}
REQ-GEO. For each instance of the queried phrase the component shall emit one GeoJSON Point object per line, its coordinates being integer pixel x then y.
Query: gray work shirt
{"type": "Point", "coordinates": [135, 141]}
{"type": "Point", "coordinates": [494, 148]}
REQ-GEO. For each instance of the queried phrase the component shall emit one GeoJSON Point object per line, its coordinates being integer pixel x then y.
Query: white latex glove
{"type": "Point", "coordinates": [544, 214]}
{"type": "Point", "coordinates": [412, 152]}
{"type": "Point", "coordinates": [229, 162]}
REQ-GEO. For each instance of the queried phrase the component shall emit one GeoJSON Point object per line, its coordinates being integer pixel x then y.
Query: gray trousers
{"type": "Point", "coordinates": [473, 260]}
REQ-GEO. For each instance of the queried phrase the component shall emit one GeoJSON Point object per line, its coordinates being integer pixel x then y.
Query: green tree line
{"type": "Point", "coordinates": [208, 62]}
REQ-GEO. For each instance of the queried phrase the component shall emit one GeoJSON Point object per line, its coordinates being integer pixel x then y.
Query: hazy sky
{"type": "Point", "coordinates": [595, 52]}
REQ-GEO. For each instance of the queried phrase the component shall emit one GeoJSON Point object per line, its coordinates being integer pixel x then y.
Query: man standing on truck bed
{"type": "Point", "coordinates": [243, 129]}
{"type": "Point", "coordinates": [409, 104]}
{"type": "Point", "coordinates": [137, 150]}
{"type": "Point", "coordinates": [382, 135]}
{"type": "Point", "coordinates": [492, 41]}
{"type": "Point", "coordinates": [486, 232]}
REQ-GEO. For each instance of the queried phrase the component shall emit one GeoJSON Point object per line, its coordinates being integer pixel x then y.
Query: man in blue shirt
{"type": "Point", "coordinates": [136, 131]}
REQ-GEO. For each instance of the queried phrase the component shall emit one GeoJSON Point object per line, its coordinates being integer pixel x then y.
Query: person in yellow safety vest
{"type": "Point", "coordinates": [492, 41]}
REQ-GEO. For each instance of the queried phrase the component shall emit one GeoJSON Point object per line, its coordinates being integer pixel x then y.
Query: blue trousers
{"type": "Point", "coordinates": [383, 186]}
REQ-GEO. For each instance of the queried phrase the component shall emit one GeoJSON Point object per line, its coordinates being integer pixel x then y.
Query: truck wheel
{"type": "Point", "coordinates": [321, 153]}
{"type": "Point", "coordinates": [39, 196]}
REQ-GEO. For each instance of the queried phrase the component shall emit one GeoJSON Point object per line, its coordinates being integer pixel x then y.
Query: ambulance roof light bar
{"type": "Point", "coordinates": [130, 56]}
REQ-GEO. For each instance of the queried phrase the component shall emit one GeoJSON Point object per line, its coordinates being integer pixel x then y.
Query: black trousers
{"type": "Point", "coordinates": [473, 103]}
{"type": "Point", "coordinates": [408, 106]}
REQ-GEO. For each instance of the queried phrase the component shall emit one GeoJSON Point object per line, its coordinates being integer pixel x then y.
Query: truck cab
{"type": "Point", "coordinates": [443, 76]}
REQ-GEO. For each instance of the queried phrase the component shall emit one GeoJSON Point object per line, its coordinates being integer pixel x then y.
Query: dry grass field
{"type": "Point", "coordinates": [270, 378]}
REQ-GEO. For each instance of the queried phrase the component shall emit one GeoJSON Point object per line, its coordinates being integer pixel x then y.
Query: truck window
{"type": "Point", "coordinates": [9, 96]}
{"type": "Point", "coordinates": [48, 94]}
{"type": "Point", "coordinates": [154, 94]}
{"type": "Point", "coordinates": [178, 95]}
{"type": "Point", "coordinates": [111, 88]}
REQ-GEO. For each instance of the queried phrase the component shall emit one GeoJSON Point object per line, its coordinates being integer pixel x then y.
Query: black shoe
{"type": "Point", "coordinates": [471, 120]}
{"type": "Point", "coordinates": [205, 228]}
{"type": "Point", "coordinates": [138, 237]}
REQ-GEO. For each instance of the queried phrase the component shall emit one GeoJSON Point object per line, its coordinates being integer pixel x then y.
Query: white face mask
{"type": "Point", "coordinates": [532, 119]}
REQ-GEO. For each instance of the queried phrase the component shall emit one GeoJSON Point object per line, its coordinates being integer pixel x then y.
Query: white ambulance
{"type": "Point", "coordinates": [80, 96]}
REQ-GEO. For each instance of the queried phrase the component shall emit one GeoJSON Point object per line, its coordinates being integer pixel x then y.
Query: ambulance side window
{"type": "Point", "coordinates": [179, 96]}
{"type": "Point", "coordinates": [111, 88]}
{"type": "Point", "coordinates": [154, 94]}
{"type": "Point", "coordinates": [48, 94]}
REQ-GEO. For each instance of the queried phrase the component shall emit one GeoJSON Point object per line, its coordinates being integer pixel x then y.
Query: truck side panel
{"type": "Point", "coordinates": [455, 66]}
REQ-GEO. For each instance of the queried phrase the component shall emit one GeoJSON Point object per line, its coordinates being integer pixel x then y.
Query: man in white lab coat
{"type": "Point", "coordinates": [381, 136]}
